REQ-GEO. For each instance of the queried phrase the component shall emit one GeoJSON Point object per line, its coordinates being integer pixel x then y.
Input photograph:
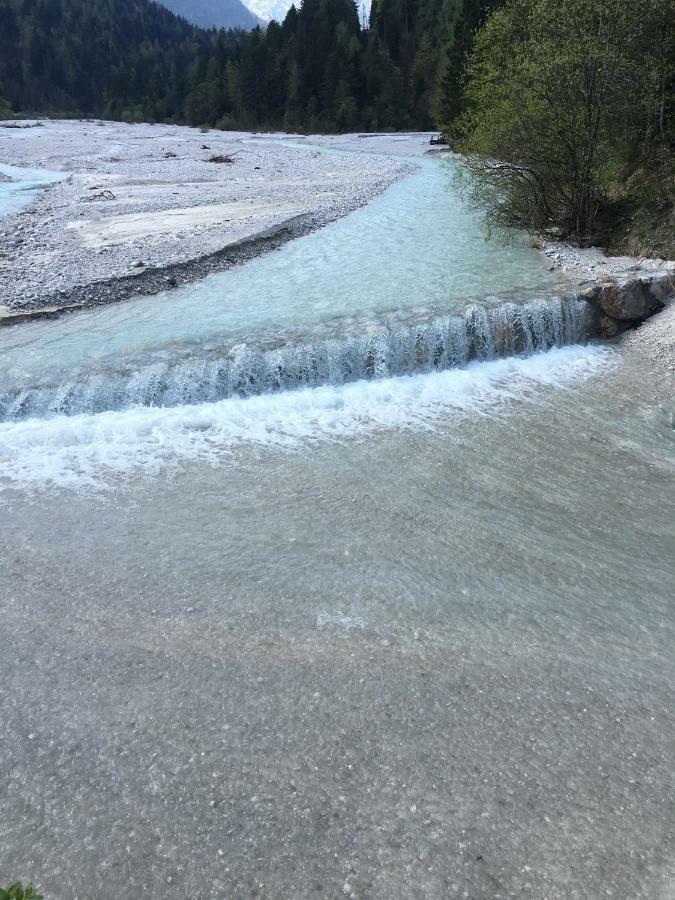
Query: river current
{"type": "Point", "coordinates": [407, 629]}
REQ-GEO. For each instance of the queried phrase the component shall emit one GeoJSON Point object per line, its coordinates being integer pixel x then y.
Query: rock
{"type": "Point", "coordinates": [626, 302]}
{"type": "Point", "coordinates": [621, 305]}
{"type": "Point", "coordinates": [608, 328]}
{"type": "Point", "coordinates": [590, 293]}
{"type": "Point", "coordinates": [661, 287]}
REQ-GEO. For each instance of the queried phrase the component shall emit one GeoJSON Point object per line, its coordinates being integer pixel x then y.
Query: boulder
{"type": "Point", "coordinates": [661, 287]}
{"type": "Point", "coordinates": [591, 293]}
{"type": "Point", "coordinates": [609, 328]}
{"type": "Point", "coordinates": [619, 305]}
{"type": "Point", "coordinates": [626, 302]}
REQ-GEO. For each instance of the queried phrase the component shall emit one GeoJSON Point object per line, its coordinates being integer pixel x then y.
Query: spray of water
{"type": "Point", "coordinates": [336, 354]}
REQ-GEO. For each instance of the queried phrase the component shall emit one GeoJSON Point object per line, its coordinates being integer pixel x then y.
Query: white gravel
{"type": "Point", "coordinates": [167, 204]}
{"type": "Point", "coordinates": [655, 338]}
{"type": "Point", "coordinates": [401, 143]}
{"type": "Point", "coordinates": [584, 264]}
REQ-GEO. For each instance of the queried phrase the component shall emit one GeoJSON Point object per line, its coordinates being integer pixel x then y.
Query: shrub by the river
{"type": "Point", "coordinates": [565, 100]}
{"type": "Point", "coordinates": [17, 892]}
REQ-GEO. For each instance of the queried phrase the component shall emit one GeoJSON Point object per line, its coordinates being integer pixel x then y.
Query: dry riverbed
{"type": "Point", "coordinates": [143, 208]}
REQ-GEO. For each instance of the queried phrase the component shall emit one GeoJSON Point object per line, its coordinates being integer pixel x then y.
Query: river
{"type": "Point", "coordinates": [19, 186]}
{"type": "Point", "coordinates": [401, 635]}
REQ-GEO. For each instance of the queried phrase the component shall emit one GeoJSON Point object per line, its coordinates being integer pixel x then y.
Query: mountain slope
{"type": "Point", "coordinates": [213, 13]}
{"type": "Point", "coordinates": [116, 58]}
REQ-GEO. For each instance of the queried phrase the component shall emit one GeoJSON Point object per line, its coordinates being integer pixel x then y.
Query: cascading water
{"type": "Point", "coordinates": [333, 353]}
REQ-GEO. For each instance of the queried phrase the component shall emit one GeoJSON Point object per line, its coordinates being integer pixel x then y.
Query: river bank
{"type": "Point", "coordinates": [655, 339]}
{"type": "Point", "coordinates": [141, 209]}
{"type": "Point", "coordinates": [144, 209]}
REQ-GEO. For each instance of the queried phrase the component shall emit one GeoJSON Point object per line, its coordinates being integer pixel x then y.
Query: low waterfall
{"type": "Point", "coordinates": [335, 353]}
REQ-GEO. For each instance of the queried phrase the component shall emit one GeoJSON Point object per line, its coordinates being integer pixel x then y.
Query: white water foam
{"type": "Point", "coordinates": [85, 452]}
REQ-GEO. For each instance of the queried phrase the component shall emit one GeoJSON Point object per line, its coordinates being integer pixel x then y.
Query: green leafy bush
{"type": "Point", "coordinates": [17, 892]}
{"type": "Point", "coordinates": [564, 98]}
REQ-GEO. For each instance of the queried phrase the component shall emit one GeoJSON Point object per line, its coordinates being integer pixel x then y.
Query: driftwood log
{"type": "Point", "coordinates": [104, 195]}
{"type": "Point", "coordinates": [222, 157]}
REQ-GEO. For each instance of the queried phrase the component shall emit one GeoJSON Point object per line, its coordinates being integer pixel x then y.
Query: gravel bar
{"type": "Point", "coordinates": [144, 208]}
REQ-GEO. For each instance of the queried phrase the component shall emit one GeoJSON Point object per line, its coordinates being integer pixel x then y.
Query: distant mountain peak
{"type": "Point", "coordinates": [277, 9]}
{"type": "Point", "coordinates": [214, 13]}
{"type": "Point", "coordinates": [271, 9]}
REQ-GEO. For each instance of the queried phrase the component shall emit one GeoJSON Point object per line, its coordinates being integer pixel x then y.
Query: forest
{"type": "Point", "coordinates": [568, 121]}
{"type": "Point", "coordinates": [318, 70]}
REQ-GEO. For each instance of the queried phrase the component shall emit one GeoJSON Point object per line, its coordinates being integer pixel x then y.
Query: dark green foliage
{"type": "Point", "coordinates": [317, 71]}
{"type": "Point", "coordinates": [133, 60]}
{"type": "Point", "coordinates": [17, 892]}
{"type": "Point", "coordinates": [120, 58]}
{"type": "Point", "coordinates": [572, 98]}
{"type": "Point", "coordinates": [426, 43]}
{"type": "Point", "coordinates": [468, 18]}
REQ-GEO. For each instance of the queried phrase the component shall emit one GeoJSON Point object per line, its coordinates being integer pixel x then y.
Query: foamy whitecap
{"type": "Point", "coordinates": [84, 451]}
{"type": "Point", "coordinates": [335, 353]}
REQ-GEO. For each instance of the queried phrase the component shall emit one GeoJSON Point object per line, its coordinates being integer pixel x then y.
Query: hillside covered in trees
{"type": "Point", "coordinates": [316, 71]}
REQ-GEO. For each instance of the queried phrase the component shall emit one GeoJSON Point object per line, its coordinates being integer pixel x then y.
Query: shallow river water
{"type": "Point", "coordinates": [415, 257]}
{"type": "Point", "coordinates": [22, 186]}
{"type": "Point", "coordinates": [398, 637]}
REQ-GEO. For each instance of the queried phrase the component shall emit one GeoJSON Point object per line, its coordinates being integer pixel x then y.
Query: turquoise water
{"type": "Point", "coordinates": [24, 186]}
{"type": "Point", "coordinates": [401, 637]}
{"type": "Point", "coordinates": [417, 245]}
